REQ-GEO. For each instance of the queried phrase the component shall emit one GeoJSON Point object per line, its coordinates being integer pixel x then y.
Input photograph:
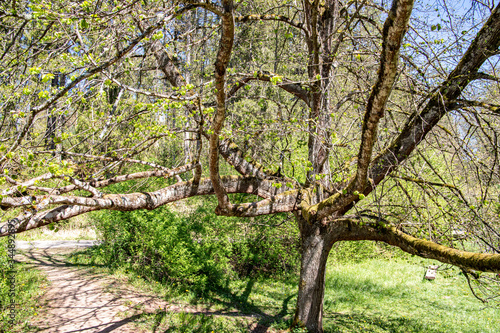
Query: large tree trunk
{"type": "Point", "coordinates": [316, 245]}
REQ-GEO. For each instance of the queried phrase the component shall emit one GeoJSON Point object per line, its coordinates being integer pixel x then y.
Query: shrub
{"type": "Point", "coordinates": [164, 246]}
{"type": "Point", "coordinates": [266, 251]}
{"type": "Point", "coordinates": [199, 249]}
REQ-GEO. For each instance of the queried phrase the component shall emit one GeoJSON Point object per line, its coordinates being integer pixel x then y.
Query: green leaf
{"type": "Point", "coordinates": [47, 77]}
{"type": "Point", "coordinates": [84, 24]}
{"type": "Point", "coordinates": [35, 70]}
{"type": "Point", "coordinates": [158, 35]}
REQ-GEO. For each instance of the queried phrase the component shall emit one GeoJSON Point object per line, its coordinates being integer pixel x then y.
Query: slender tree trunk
{"type": "Point", "coordinates": [316, 245]}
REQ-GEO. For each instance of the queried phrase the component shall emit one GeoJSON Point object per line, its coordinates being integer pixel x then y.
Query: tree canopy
{"type": "Point", "coordinates": [367, 120]}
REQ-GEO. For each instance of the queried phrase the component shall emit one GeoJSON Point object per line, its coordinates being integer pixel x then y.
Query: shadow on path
{"type": "Point", "coordinates": [78, 301]}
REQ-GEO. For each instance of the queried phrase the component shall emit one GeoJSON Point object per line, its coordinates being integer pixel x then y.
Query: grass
{"type": "Point", "coordinates": [391, 296]}
{"type": "Point", "coordinates": [373, 295]}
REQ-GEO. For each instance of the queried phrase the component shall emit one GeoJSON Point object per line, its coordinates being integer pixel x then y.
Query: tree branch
{"type": "Point", "coordinates": [73, 206]}
{"type": "Point", "coordinates": [271, 17]}
{"type": "Point", "coordinates": [293, 88]}
{"type": "Point", "coordinates": [222, 60]}
{"type": "Point", "coordinates": [234, 156]}
{"type": "Point", "coordinates": [394, 30]}
{"type": "Point", "coordinates": [487, 41]}
{"type": "Point", "coordinates": [216, 9]}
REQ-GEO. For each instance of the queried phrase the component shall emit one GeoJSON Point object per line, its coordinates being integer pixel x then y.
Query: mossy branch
{"type": "Point", "coordinates": [353, 229]}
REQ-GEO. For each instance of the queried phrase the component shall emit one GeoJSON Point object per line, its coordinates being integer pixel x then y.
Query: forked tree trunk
{"type": "Point", "coordinates": [316, 245]}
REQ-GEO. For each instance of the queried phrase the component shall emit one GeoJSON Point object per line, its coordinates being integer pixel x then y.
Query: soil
{"type": "Point", "coordinates": [77, 300]}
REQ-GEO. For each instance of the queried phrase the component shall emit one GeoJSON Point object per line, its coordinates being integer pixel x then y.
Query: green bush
{"type": "Point", "coordinates": [199, 249]}
{"type": "Point", "coordinates": [266, 251]}
{"type": "Point", "coordinates": [164, 246]}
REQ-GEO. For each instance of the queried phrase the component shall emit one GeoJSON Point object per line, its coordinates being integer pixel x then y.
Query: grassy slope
{"type": "Point", "coordinates": [30, 285]}
{"type": "Point", "coordinates": [373, 295]}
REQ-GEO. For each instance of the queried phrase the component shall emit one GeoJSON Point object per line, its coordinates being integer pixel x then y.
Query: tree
{"type": "Point", "coordinates": [300, 132]}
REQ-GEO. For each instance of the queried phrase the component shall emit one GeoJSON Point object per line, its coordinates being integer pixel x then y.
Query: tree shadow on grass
{"type": "Point", "coordinates": [231, 301]}
{"type": "Point", "coordinates": [360, 322]}
{"type": "Point", "coordinates": [233, 305]}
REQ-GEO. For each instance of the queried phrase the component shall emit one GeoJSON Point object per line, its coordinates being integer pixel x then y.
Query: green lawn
{"type": "Point", "coordinates": [391, 296]}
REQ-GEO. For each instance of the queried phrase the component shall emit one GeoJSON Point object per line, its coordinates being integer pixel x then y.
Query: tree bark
{"type": "Point", "coordinates": [316, 242]}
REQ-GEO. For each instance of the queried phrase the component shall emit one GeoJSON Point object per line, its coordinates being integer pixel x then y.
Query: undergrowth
{"type": "Point", "coordinates": [198, 250]}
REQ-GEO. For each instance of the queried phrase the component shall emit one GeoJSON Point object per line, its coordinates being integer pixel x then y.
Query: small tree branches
{"type": "Point", "coordinates": [419, 124]}
{"type": "Point", "coordinates": [270, 17]}
{"type": "Point", "coordinates": [293, 88]}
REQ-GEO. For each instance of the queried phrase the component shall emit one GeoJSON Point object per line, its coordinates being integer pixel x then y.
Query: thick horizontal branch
{"type": "Point", "coordinates": [28, 221]}
{"type": "Point", "coordinates": [274, 200]}
{"type": "Point", "coordinates": [284, 202]}
{"type": "Point", "coordinates": [354, 230]}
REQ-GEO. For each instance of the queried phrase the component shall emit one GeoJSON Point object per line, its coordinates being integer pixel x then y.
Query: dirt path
{"type": "Point", "coordinates": [77, 301]}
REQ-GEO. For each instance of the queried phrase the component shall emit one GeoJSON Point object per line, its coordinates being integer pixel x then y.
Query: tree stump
{"type": "Point", "coordinates": [431, 272]}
